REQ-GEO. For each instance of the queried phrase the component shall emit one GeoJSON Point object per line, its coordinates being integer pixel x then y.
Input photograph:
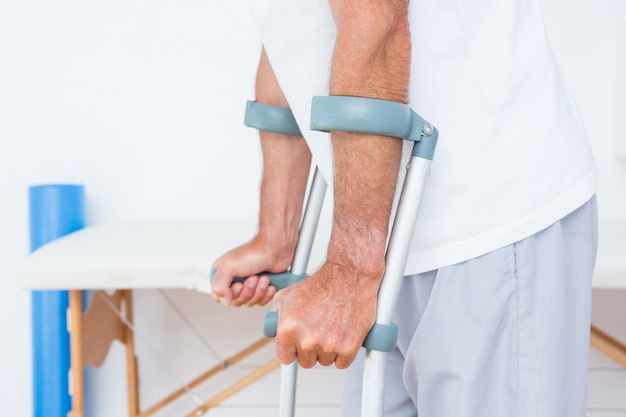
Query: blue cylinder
{"type": "Point", "coordinates": [55, 211]}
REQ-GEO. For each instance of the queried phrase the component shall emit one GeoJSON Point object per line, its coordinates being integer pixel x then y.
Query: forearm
{"type": "Point", "coordinates": [285, 173]}
{"type": "Point", "coordinates": [325, 317]}
{"type": "Point", "coordinates": [371, 59]}
{"type": "Point", "coordinates": [286, 163]}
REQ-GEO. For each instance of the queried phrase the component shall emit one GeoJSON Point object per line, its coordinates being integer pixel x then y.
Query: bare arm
{"type": "Point", "coordinates": [371, 59]}
{"type": "Point", "coordinates": [286, 162]}
{"type": "Point", "coordinates": [326, 317]}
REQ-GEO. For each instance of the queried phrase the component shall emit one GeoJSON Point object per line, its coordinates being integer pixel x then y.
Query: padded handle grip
{"type": "Point", "coordinates": [381, 337]}
{"type": "Point", "coordinates": [280, 281]}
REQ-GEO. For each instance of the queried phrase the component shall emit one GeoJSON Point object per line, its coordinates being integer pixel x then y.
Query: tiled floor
{"type": "Point", "coordinates": [185, 347]}
{"type": "Point", "coordinates": [607, 387]}
{"type": "Point", "coordinates": [607, 379]}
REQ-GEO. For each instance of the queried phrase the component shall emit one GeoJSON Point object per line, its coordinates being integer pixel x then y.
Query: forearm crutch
{"type": "Point", "coordinates": [281, 120]}
{"type": "Point", "coordinates": [381, 117]}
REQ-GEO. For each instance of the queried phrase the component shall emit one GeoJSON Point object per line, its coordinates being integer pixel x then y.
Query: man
{"type": "Point", "coordinates": [494, 311]}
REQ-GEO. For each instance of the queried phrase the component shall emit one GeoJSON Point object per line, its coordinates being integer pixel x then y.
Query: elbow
{"type": "Point", "coordinates": [372, 54]}
{"type": "Point", "coordinates": [374, 25]}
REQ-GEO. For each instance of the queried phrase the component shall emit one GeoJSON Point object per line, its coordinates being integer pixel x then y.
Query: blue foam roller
{"type": "Point", "coordinates": [55, 211]}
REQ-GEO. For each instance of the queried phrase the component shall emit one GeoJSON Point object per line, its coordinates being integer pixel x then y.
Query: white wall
{"type": "Point", "coordinates": [142, 102]}
{"type": "Point", "coordinates": [589, 39]}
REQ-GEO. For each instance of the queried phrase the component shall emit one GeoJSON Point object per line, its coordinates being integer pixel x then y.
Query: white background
{"type": "Point", "coordinates": [143, 101]}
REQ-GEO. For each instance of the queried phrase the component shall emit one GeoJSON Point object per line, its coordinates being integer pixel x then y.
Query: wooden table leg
{"type": "Point", "coordinates": [608, 345]}
{"type": "Point", "coordinates": [131, 359]}
{"type": "Point", "coordinates": [236, 387]}
{"type": "Point", "coordinates": [77, 363]}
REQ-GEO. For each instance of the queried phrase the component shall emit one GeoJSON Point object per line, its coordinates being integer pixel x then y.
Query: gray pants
{"type": "Point", "coordinates": [502, 335]}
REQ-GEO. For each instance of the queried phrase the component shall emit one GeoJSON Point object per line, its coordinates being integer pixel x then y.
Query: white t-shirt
{"type": "Point", "coordinates": [513, 155]}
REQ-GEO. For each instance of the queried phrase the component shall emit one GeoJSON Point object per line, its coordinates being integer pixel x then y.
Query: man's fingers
{"type": "Point", "coordinates": [261, 289]}
{"type": "Point", "coordinates": [326, 359]}
{"type": "Point", "coordinates": [343, 361]}
{"type": "Point", "coordinates": [271, 292]}
{"type": "Point", "coordinates": [252, 292]}
{"type": "Point", "coordinates": [246, 291]}
{"type": "Point", "coordinates": [220, 290]}
{"type": "Point", "coordinates": [293, 342]}
{"type": "Point", "coordinates": [255, 291]}
{"type": "Point", "coordinates": [236, 288]}
{"type": "Point", "coordinates": [248, 288]}
{"type": "Point", "coordinates": [306, 359]}
{"type": "Point", "coordinates": [286, 354]}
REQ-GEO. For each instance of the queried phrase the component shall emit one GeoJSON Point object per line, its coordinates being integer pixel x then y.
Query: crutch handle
{"type": "Point", "coordinates": [381, 337]}
{"type": "Point", "coordinates": [280, 281]}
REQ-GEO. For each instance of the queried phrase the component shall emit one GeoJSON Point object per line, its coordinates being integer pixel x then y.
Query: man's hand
{"type": "Point", "coordinates": [325, 317]}
{"type": "Point", "coordinates": [247, 261]}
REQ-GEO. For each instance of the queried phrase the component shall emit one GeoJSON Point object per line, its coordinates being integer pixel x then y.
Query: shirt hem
{"type": "Point", "coordinates": [487, 242]}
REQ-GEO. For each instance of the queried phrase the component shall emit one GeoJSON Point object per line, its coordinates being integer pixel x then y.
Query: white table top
{"type": "Point", "coordinates": [179, 254]}
{"type": "Point", "coordinates": [143, 254]}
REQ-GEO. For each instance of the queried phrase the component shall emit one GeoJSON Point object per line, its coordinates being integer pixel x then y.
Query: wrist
{"type": "Point", "coordinates": [349, 280]}
{"type": "Point", "coordinates": [360, 249]}
{"type": "Point", "coordinates": [278, 241]}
